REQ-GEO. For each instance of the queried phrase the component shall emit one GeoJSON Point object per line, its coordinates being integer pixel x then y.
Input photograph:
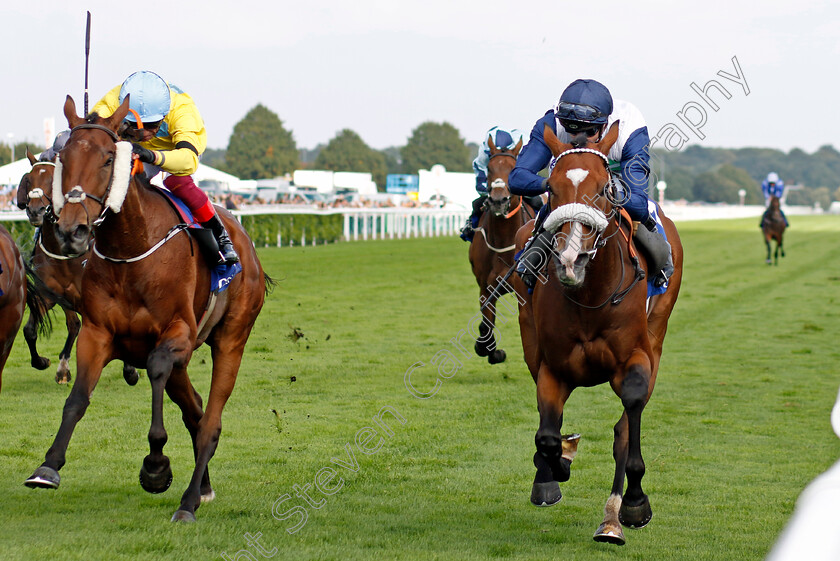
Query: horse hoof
{"type": "Point", "coordinates": [609, 533]}
{"type": "Point", "coordinates": [40, 363]}
{"type": "Point", "coordinates": [43, 478]}
{"type": "Point", "coordinates": [131, 376]}
{"type": "Point", "coordinates": [496, 356]}
{"type": "Point", "coordinates": [62, 378]}
{"type": "Point", "coordinates": [156, 482]}
{"type": "Point", "coordinates": [183, 516]}
{"type": "Point", "coordinates": [546, 494]}
{"type": "Point", "coordinates": [481, 350]}
{"type": "Point", "coordinates": [635, 516]}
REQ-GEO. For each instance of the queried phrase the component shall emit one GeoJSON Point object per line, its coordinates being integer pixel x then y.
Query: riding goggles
{"type": "Point", "coordinates": [579, 112]}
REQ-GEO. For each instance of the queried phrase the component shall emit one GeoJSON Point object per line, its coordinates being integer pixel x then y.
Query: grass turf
{"type": "Point", "coordinates": [737, 426]}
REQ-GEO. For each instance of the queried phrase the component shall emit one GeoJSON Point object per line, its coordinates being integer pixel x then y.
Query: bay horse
{"type": "Point", "coordinates": [147, 300]}
{"type": "Point", "coordinates": [60, 276]}
{"type": "Point", "coordinates": [773, 228]}
{"type": "Point", "coordinates": [586, 324]}
{"type": "Point", "coordinates": [492, 250]}
{"type": "Point", "coordinates": [16, 291]}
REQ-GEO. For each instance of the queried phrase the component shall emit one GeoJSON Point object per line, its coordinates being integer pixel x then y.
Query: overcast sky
{"type": "Point", "coordinates": [382, 67]}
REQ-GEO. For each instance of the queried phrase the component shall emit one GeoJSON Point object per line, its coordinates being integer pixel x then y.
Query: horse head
{"type": "Point", "coordinates": [581, 201]}
{"type": "Point", "coordinates": [92, 175]}
{"type": "Point", "coordinates": [499, 166]}
{"type": "Point", "coordinates": [775, 205]}
{"type": "Point", "coordinates": [35, 188]}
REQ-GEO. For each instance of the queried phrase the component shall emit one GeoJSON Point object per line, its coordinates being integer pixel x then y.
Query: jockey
{"type": "Point", "coordinates": [50, 153]}
{"type": "Point", "coordinates": [504, 140]}
{"type": "Point", "coordinates": [586, 110]}
{"type": "Point", "coordinates": [172, 139]}
{"type": "Point", "coordinates": [772, 187]}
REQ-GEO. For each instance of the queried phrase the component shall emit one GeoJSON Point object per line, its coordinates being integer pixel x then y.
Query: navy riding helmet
{"type": "Point", "coordinates": [584, 105]}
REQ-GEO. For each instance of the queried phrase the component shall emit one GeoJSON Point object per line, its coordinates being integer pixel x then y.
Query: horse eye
{"type": "Point", "coordinates": [108, 162]}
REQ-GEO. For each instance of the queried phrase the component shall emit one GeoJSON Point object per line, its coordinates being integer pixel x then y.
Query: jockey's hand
{"type": "Point", "coordinates": [143, 154]}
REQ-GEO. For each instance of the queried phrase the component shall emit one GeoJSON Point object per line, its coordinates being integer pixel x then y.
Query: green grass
{"type": "Point", "coordinates": [737, 426]}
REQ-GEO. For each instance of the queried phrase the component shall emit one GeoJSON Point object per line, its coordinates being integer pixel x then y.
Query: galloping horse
{"type": "Point", "coordinates": [147, 300]}
{"type": "Point", "coordinates": [773, 228]}
{"type": "Point", "coordinates": [492, 249]}
{"type": "Point", "coordinates": [60, 275]}
{"type": "Point", "coordinates": [586, 324]}
{"type": "Point", "coordinates": [16, 291]}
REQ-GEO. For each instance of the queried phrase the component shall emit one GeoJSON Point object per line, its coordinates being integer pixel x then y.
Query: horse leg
{"type": "Point", "coordinates": [130, 374]}
{"type": "Point", "coordinates": [92, 353]}
{"type": "Point", "coordinates": [767, 243]}
{"type": "Point", "coordinates": [183, 394]}
{"type": "Point", "coordinates": [552, 464]}
{"type": "Point", "coordinates": [485, 345]}
{"type": "Point", "coordinates": [635, 391]}
{"type": "Point", "coordinates": [73, 323]}
{"type": "Point", "coordinates": [30, 334]}
{"type": "Point", "coordinates": [610, 530]}
{"type": "Point", "coordinates": [227, 350]}
{"type": "Point", "coordinates": [174, 348]}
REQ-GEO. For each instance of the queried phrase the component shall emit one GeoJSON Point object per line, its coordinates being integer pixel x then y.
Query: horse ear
{"type": "Point", "coordinates": [70, 112]}
{"type": "Point", "coordinates": [609, 139]}
{"type": "Point", "coordinates": [491, 144]}
{"type": "Point", "coordinates": [518, 147]}
{"type": "Point", "coordinates": [114, 121]}
{"type": "Point", "coordinates": [30, 156]}
{"type": "Point", "coordinates": [552, 141]}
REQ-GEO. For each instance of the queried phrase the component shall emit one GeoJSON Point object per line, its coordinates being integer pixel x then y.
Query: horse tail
{"type": "Point", "coordinates": [37, 303]}
{"type": "Point", "coordinates": [270, 283]}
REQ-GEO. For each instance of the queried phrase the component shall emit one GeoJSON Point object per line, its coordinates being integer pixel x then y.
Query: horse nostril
{"type": "Point", "coordinates": [81, 232]}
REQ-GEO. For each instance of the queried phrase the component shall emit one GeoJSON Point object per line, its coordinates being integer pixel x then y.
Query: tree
{"type": "Point", "coordinates": [713, 188]}
{"type": "Point", "coordinates": [348, 152]}
{"type": "Point", "coordinates": [260, 147]}
{"type": "Point", "coordinates": [435, 143]}
{"type": "Point", "coordinates": [742, 180]}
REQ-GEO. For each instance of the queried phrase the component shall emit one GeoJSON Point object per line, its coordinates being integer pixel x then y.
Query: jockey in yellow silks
{"type": "Point", "coordinates": [172, 139]}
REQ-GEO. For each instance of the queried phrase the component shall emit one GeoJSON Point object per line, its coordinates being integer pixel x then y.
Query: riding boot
{"type": "Point", "coordinates": [227, 254]}
{"type": "Point", "coordinates": [534, 202]}
{"type": "Point", "coordinates": [468, 231]}
{"type": "Point", "coordinates": [534, 257]}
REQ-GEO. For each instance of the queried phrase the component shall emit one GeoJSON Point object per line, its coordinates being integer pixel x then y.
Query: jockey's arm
{"type": "Point", "coordinates": [178, 152]}
{"type": "Point", "coordinates": [480, 169]}
{"type": "Point", "coordinates": [635, 172]}
{"type": "Point", "coordinates": [534, 157]}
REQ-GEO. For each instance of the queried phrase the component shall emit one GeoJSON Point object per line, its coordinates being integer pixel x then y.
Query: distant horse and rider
{"type": "Point", "coordinates": [149, 313]}
{"type": "Point", "coordinates": [492, 249]}
{"type": "Point", "coordinates": [59, 276]}
{"type": "Point", "coordinates": [773, 229]}
{"type": "Point", "coordinates": [773, 221]}
{"type": "Point", "coordinates": [590, 321]}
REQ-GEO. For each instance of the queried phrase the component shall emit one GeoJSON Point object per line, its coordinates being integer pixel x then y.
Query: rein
{"type": "Point", "coordinates": [169, 235]}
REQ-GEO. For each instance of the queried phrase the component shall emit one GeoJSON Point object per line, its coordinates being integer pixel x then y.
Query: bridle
{"type": "Point", "coordinates": [504, 203]}
{"type": "Point", "coordinates": [596, 219]}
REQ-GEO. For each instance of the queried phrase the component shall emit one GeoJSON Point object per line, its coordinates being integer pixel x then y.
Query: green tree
{"type": "Point", "coordinates": [679, 185]}
{"type": "Point", "coordinates": [215, 158]}
{"type": "Point", "coordinates": [348, 152]}
{"type": "Point", "coordinates": [742, 180]}
{"type": "Point", "coordinates": [260, 147]}
{"type": "Point", "coordinates": [713, 188]}
{"type": "Point", "coordinates": [435, 143]}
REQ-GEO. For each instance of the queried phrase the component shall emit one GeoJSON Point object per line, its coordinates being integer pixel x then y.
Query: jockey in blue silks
{"type": "Point", "coordinates": [586, 108]}
{"type": "Point", "coordinates": [503, 139]}
{"type": "Point", "coordinates": [772, 187]}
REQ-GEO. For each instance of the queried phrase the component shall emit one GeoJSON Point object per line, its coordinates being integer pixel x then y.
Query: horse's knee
{"type": "Point", "coordinates": [634, 388]}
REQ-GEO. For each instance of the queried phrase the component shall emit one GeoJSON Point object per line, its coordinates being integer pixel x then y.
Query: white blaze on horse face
{"type": "Point", "coordinates": [577, 175]}
{"type": "Point", "coordinates": [570, 253]}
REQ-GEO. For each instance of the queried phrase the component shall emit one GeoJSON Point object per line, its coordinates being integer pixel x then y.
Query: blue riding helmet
{"type": "Point", "coordinates": [150, 96]}
{"type": "Point", "coordinates": [584, 104]}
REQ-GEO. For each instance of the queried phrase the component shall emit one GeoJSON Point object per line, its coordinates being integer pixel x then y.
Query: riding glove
{"type": "Point", "coordinates": [143, 154]}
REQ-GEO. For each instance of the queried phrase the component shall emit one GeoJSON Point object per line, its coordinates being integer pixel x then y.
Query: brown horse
{"type": "Point", "coordinates": [773, 228]}
{"type": "Point", "coordinates": [492, 249]}
{"type": "Point", "coordinates": [147, 300]}
{"type": "Point", "coordinates": [586, 324]}
{"type": "Point", "coordinates": [60, 276]}
{"type": "Point", "coordinates": [13, 294]}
